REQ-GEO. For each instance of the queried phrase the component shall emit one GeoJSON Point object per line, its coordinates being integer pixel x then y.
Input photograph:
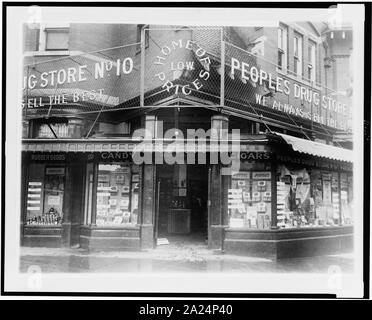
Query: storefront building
{"type": "Point", "coordinates": [83, 185]}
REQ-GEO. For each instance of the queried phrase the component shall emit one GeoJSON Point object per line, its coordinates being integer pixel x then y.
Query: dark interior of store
{"type": "Point", "coordinates": [182, 202]}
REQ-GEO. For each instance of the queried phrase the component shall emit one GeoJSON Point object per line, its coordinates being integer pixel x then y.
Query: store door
{"type": "Point", "coordinates": [181, 214]}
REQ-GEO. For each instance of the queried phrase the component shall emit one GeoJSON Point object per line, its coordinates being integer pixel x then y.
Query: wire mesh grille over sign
{"type": "Point", "coordinates": [182, 66]}
{"type": "Point", "coordinates": [92, 82]}
{"type": "Point", "coordinates": [250, 79]}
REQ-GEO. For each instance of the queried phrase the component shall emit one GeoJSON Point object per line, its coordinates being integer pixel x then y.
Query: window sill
{"type": "Point", "coordinates": [293, 229]}
{"type": "Point", "coordinates": [55, 226]}
{"type": "Point", "coordinates": [51, 53]}
{"type": "Point", "coordinates": [111, 227]}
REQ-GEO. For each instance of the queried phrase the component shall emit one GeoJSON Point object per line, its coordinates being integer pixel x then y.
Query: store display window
{"type": "Point", "coordinates": [249, 198]}
{"type": "Point", "coordinates": [346, 198]}
{"type": "Point", "coordinates": [335, 218]}
{"type": "Point", "coordinates": [327, 206]}
{"type": "Point", "coordinates": [117, 194]}
{"type": "Point", "coordinates": [295, 206]}
{"type": "Point", "coordinates": [312, 197]}
{"type": "Point", "coordinates": [45, 191]}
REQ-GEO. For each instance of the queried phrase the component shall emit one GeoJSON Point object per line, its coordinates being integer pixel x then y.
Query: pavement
{"type": "Point", "coordinates": [173, 257]}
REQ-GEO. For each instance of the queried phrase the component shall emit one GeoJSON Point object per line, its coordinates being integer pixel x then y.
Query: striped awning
{"type": "Point", "coordinates": [317, 149]}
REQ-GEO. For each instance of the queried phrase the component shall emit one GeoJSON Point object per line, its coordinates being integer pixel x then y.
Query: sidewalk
{"type": "Point", "coordinates": [173, 258]}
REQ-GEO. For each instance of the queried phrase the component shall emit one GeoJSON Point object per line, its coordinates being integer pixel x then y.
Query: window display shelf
{"type": "Point", "coordinates": [111, 227]}
{"type": "Point", "coordinates": [56, 226]}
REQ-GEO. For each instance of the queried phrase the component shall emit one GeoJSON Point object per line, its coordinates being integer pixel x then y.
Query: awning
{"type": "Point", "coordinates": [317, 149]}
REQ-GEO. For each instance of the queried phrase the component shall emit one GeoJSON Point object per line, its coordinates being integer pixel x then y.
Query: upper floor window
{"type": "Point", "coordinates": [311, 65]}
{"type": "Point", "coordinates": [61, 130]}
{"type": "Point", "coordinates": [297, 54]}
{"type": "Point", "coordinates": [282, 47]}
{"type": "Point", "coordinates": [56, 39]}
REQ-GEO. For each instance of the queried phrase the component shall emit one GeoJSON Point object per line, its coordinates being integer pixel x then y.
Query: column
{"type": "Point", "coordinates": [72, 203]}
{"type": "Point", "coordinates": [148, 206]}
{"type": "Point", "coordinates": [226, 182]}
{"type": "Point", "coordinates": [147, 184]}
{"type": "Point", "coordinates": [341, 222]}
{"type": "Point", "coordinates": [67, 205]}
{"type": "Point", "coordinates": [218, 191]}
{"type": "Point", "coordinates": [215, 230]}
{"type": "Point", "coordinates": [24, 187]}
{"type": "Point", "coordinates": [77, 202]}
{"type": "Point", "coordinates": [274, 218]}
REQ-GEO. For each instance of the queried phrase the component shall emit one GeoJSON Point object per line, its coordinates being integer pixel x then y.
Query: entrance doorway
{"type": "Point", "coordinates": [181, 211]}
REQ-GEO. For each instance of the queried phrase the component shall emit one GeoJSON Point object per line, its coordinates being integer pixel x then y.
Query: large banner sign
{"type": "Point", "coordinates": [180, 63]}
{"type": "Point", "coordinates": [82, 83]}
{"type": "Point", "coordinates": [262, 83]}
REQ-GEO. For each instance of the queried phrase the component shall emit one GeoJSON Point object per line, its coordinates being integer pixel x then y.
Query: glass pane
{"type": "Point", "coordinates": [306, 199]}
{"type": "Point", "coordinates": [295, 205]}
{"type": "Point", "coordinates": [311, 53]}
{"type": "Point", "coordinates": [348, 212]}
{"type": "Point", "coordinates": [53, 195]}
{"type": "Point", "coordinates": [295, 46]}
{"type": "Point", "coordinates": [34, 197]}
{"type": "Point", "coordinates": [45, 195]}
{"type": "Point", "coordinates": [335, 219]}
{"type": "Point", "coordinates": [280, 59]}
{"type": "Point", "coordinates": [54, 188]}
{"type": "Point", "coordinates": [309, 73]}
{"type": "Point", "coordinates": [249, 200]}
{"type": "Point", "coordinates": [280, 38]}
{"type": "Point", "coordinates": [113, 194]}
{"type": "Point", "coordinates": [57, 39]}
{"type": "Point", "coordinates": [60, 129]}
{"type": "Point", "coordinates": [295, 66]}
